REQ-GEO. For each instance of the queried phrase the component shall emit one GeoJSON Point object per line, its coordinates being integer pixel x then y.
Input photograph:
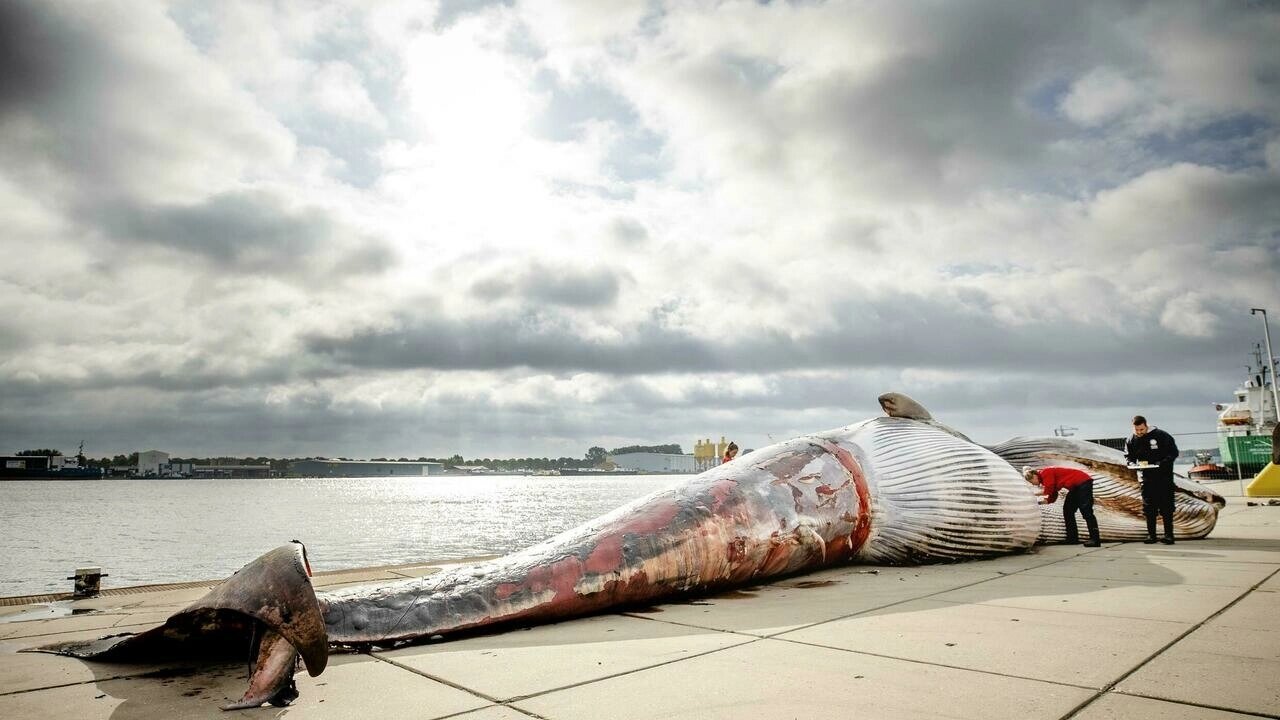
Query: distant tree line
{"type": "Point", "coordinates": [672, 449]}
{"type": "Point", "coordinates": [595, 457]}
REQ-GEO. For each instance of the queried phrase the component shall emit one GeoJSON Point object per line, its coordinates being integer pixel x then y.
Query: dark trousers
{"type": "Point", "coordinates": [1157, 497]}
{"type": "Point", "coordinates": [1080, 498]}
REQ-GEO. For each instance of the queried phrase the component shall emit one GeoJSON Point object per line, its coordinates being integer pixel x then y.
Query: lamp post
{"type": "Point", "coordinates": [1271, 364]}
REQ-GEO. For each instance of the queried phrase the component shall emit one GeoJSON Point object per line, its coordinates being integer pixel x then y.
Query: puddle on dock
{"type": "Point", "coordinates": [47, 611]}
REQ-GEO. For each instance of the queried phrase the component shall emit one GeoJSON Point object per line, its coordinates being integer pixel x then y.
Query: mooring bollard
{"type": "Point", "coordinates": [88, 582]}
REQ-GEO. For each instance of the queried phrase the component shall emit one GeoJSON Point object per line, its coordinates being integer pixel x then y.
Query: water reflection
{"type": "Point", "coordinates": [149, 531]}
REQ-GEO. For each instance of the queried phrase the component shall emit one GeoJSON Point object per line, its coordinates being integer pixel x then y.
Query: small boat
{"type": "Point", "coordinates": [1206, 470]}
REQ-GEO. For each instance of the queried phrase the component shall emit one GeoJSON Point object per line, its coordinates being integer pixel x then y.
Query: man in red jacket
{"type": "Point", "coordinates": [1079, 487]}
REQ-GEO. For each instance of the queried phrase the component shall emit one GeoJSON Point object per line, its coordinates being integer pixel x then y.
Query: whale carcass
{"type": "Point", "coordinates": [890, 490]}
{"type": "Point", "coordinates": [1117, 491]}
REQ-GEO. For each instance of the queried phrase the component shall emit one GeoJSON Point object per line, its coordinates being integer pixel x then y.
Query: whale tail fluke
{"type": "Point", "coordinates": [267, 608]}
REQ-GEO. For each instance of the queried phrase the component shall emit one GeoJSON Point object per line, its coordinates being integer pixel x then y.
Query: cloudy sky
{"type": "Point", "coordinates": [524, 228]}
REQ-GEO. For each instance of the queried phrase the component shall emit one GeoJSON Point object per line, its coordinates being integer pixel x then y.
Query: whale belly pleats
{"type": "Point", "coordinates": [938, 498]}
{"type": "Point", "coordinates": [1117, 494]}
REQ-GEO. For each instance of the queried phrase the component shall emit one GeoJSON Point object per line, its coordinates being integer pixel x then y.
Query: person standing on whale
{"type": "Point", "coordinates": [1156, 447]}
{"type": "Point", "coordinates": [1079, 487]}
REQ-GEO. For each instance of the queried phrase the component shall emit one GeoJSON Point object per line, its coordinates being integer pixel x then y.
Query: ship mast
{"type": "Point", "coordinates": [1270, 365]}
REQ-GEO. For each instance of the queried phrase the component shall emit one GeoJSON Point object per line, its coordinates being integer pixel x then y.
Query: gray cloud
{"type": "Point", "coordinates": [249, 232]}
{"type": "Point", "coordinates": [145, 177]}
{"type": "Point", "coordinates": [628, 232]}
{"type": "Point", "coordinates": [888, 332]}
{"type": "Point", "coordinates": [553, 285]}
{"type": "Point", "coordinates": [85, 111]}
{"type": "Point", "coordinates": [31, 66]}
{"type": "Point", "coordinates": [528, 340]}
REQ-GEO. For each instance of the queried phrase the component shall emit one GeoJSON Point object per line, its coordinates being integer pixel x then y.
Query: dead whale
{"type": "Point", "coordinates": [1117, 493]}
{"type": "Point", "coordinates": [1116, 489]}
{"type": "Point", "coordinates": [902, 489]}
{"type": "Point", "coordinates": [886, 490]}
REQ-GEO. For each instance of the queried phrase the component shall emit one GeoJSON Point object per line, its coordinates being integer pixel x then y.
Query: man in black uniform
{"type": "Point", "coordinates": [1156, 447]}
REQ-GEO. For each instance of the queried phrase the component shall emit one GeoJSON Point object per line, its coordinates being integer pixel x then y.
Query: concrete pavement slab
{"type": "Point", "coordinates": [1037, 556]}
{"type": "Point", "coordinates": [353, 577]}
{"type": "Point", "coordinates": [1271, 584]}
{"type": "Point", "coordinates": [523, 662]}
{"type": "Point", "coordinates": [1117, 706]}
{"type": "Point", "coordinates": [1063, 647]}
{"type": "Point", "coordinates": [1212, 549]}
{"type": "Point", "coordinates": [775, 679]}
{"type": "Point", "coordinates": [35, 671]}
{"type": "Point", "coordinates": [1161, 570]}
{"type": "Point", "coordinates": [32, 671]}
{"type": "Point", "coordinates": [1225, 667]}
{"type": "Point", "coordinates": [1255, 610]}
{"type": "Point", "coordinates": [129, 699]}
{"type": "Point", "coordinates": [149, 618]}
{"type": "Point", "coordinates": [814, 598]}
{"type": "Point", "coordinates": [89, 621]}
{"type": "Point", "coordinates": [494, 712]}
{"type": "Point", "coordinates": [1143, 601]}
{"type": "Point", "coordinates": [53, 632]}
{"type": "Point", "coordinates": [352, 686]}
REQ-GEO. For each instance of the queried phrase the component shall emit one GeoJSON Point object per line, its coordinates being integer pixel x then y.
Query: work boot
{"type": "Point", "coordinates": [1073, 540]}
{"type": "Point", "coordinates": [1095, 538]}
{"type": "Point", "coordinates": [1151, 540]}
{"type": "Point", "coordinates": [1167, 540]}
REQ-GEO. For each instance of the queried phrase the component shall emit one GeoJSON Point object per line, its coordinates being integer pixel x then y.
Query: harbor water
{"type": "Point", "coordinates": [161, 531]}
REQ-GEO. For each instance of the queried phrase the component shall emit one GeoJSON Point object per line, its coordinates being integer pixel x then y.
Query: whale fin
{"type": "Point", "coordinates": [896, 404]}
{"type": "Point", "coordinates": [269, 606]}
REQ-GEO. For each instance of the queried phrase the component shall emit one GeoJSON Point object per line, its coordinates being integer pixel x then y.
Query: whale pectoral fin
{"type": "Point", "coordinates": [267, 607]}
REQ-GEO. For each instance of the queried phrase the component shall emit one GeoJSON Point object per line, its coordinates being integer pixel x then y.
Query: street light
{"type": "Point", "coordinates": [1271, 360]}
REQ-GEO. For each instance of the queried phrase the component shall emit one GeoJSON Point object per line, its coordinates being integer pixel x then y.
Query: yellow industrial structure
{"type": "Point", "coordinates": [1266, 483]}
{"type": "Point", "coordinates": [707, 454]}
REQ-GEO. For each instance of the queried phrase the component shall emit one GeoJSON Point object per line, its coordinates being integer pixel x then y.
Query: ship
{"type": "Point", "coordinates": [46, 467]}
{"type": "Point", "coordinates": [1245, 426]}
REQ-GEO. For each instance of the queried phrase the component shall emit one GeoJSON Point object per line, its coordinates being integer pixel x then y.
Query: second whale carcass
{"type": "Point", "coordinates": [1117, 489]}
{"type": "Point", "coordinates": [889, 490]}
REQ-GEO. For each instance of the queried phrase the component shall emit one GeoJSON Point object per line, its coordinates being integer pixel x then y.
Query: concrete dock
{"type": "Point", "coordinates": [1123, 631]}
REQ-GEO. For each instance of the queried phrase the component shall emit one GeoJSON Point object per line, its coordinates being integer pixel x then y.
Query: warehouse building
{"type": "Point", "coordinates": [654, 462]}
{"type": "Point", "coordinates": [149, 462]}
{"type": "Point", "coordinates": [232, 470]}
{"type": "Point", "coordinates": [363, 468]}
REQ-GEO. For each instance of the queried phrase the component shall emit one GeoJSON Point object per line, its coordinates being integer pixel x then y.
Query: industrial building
{"type": "Point", "coordinates": [654, 462]}
{"type": "Point", "coordinates": [149, 462]}
{"type": "Point", "coordinates": [363, 468]}
{"type": "Point", "coordinates": [230, 470]}
{"type": "Point", "coordinates": [707, 454]}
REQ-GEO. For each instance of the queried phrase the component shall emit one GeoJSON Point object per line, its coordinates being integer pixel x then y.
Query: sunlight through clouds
{"type": "Point", "coordinates": [527, 225]}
